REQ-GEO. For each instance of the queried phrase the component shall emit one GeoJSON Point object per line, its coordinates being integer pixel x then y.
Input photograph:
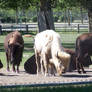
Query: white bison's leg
{"type": "Point", "coordinates": [38, 63]}
{"type": "Point", "coordinates": [45, 64]}
{"type": "Point", "coordinates": [42, 65]}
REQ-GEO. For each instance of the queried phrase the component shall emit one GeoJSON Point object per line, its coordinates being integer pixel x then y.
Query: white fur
{"type": "Point", "coordinates": [48, 43]}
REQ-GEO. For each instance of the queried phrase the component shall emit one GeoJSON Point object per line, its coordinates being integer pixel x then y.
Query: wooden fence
{"type": "Point", "coordinates": [34, 27]}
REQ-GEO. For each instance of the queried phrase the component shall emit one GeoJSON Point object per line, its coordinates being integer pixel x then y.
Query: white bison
{"type": "Point", "coordinates": [50, 53]}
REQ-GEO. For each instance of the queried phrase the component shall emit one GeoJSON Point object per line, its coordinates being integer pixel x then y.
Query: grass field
{"type": "Point", "coordinates": [68, 41]}
{"type": "Point", "coordinates": [63, 88]}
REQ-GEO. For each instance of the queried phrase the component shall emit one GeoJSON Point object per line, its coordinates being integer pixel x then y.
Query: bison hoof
{"type": "Point", "coordinates": [46, 74]}
{"type": "Point", "coordinates": [84, 71]}
{"type": "Point", "coordinates": [39, 73]}
{"type": "Point", "coordinates": [14, 70]}
{"type": "Point", "coordinates": [8, 69]}
{"type": "Point", "coordinates": [79, 72]}
{"type": "Point", "coordinates": [18, 72]}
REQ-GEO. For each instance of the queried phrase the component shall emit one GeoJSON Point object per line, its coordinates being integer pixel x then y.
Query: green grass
{"type": "Point", "coordinates": [68, 40]}
{"type": "Point", "coordinates": [63, 88]}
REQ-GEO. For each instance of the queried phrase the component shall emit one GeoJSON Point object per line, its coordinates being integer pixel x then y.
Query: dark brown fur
{"type": "Point", "coordinates": [30, 65]}
{"type": "Point", "coordinates": [14, 46]}
{"type": "Point", "coordinates": [1, 65]}
{"type": "Point", "coordinates": [72, 65]}
{"type": "Point", "coordinates": [83, 50]}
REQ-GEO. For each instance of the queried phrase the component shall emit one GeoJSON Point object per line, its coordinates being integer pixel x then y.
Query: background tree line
{"type": "Point", "coordinates": [75, 15]}
{"type": "Point", "coordinates": [44, 9]}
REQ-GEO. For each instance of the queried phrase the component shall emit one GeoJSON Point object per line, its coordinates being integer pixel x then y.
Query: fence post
{"type": "Point", "coordinates": [11, 27]}
{"type": "Point", "coordinates": [27, 28]}
{"type": "Point", "coordinates": [78, 27]}
{"type": "Point", "coordinates": [0, 29]}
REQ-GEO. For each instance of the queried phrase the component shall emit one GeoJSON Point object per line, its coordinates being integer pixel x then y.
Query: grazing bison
{"type": "Point", "coordinates": [31, 67]}
{"type": "Point", "coordinates": [14, 46]}
{"type": "Point", "coordinates": [83, 50]}
{"type": "Point", "coordinates": [1, 65]}
{"type": "Point", "coordinates": [49, 52]}
{"type": "Point", "coordinates": [72, 65]}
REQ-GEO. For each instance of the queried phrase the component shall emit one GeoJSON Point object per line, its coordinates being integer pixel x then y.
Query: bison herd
{"type": "Point", "coordinates": [50, 57]}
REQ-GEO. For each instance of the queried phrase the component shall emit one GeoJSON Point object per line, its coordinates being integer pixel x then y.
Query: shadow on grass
{"type": "Point", "coordinates": [2, 47]}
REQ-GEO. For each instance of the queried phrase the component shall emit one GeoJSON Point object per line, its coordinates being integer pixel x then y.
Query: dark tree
{"type": "Point", "coordinates": [45, 16]}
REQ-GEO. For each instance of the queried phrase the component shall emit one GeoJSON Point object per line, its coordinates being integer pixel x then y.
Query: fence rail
{"type": "Point", "coordinates": [34, 26]}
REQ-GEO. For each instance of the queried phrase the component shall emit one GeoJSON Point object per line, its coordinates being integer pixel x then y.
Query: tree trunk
{"type": "Point", "coordinates": [65, 17]}
{"type": "Point", "coordinates": [16, 18]}
{"type": "Point", "coordinates": [90, 19]}
{"type": "Point", "coordinates": [81, 15]}
{"type": "Point", "coordinates": [68, 14]}
{"type": "Point", "coordinates": [45, 16]}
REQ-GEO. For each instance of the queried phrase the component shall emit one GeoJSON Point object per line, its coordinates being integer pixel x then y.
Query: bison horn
{"type": "Point", "coordinates": [63, 55]}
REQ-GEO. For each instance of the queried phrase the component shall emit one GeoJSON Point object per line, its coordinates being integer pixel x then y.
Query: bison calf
{"type": "Point", "coordinates": [14, 46]}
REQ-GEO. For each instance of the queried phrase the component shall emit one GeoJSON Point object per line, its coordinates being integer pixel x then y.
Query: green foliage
{"type": "Point", "coordinates": [15, 4]}
{"type": "Point", "coordinates": [74, 3]}
{"type": "Point", "coordinates": [31, 5]}
{"type": "Point", "coordinates": [56, 18]}
{"type": "Point", "coordinates": [25, 4]}
{"type": "Point", "coordinates": [34, 19]}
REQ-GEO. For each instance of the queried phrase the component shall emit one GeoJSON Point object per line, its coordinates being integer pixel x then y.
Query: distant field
{"type": "Point", "coordinates": [68, 41]}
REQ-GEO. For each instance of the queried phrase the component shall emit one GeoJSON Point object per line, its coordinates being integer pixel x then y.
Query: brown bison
{"type": "Point", "coordinates": [83, 50]}
{"type": "Point", "coordinates": [1, 65]}
{"type": "Point", "coordinates": [14, 46]}
{"type": "Point", "coordinates": [72, 65]}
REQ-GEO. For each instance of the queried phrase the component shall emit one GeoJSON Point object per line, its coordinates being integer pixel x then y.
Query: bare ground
{"type": "Point", "coordinates": [23, 78]}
